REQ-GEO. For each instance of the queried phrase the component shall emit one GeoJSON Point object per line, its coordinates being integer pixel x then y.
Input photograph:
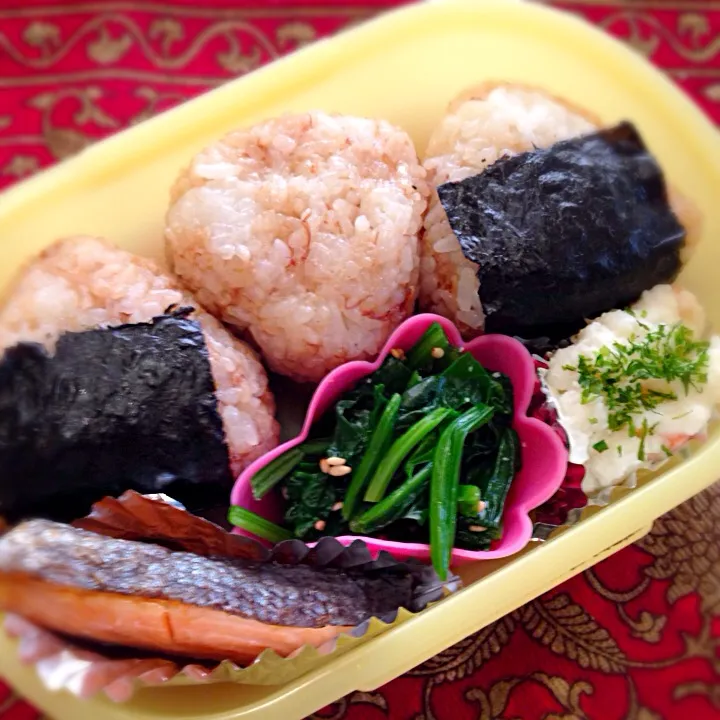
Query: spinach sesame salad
{"type": "Point", "coordinates": [421, 450]}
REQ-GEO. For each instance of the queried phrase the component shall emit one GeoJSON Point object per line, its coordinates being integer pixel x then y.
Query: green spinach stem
{"type": "Point", "coordinates": [468, 500]}
{"type": "Point", "coordinates": [499, 484]}
{"type": "Point", "coordinates": [392, 507]}
{"type": "Point", "coordinates": [421, 354]}
{"type": "Point", "coordinates": [381, 438]}
{"type": "Point", "coordinates": [268, 477]}
{"type": "Point", "coordinates": [248, 520]}
{"type": "Point", "coordinates": [400, 448]}
{"type": "Point", "coordinates": [445, 481]}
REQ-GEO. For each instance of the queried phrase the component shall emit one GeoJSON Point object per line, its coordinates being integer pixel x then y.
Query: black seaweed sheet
{"type": "Point", "coordinates": [127, 407]}
{"type": "Point", "coordinates": [566, 233]}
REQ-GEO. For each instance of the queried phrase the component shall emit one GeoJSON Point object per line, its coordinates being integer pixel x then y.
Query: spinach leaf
{"type": "Point", "coordinates": [493, 389]}
{"type": "Point", "coordinates": [419, 511]}
{"type": "Point", "coordinates": [421, 358]}
{"type": "Point", "coordinates": [256, 524]}
{"type": "Point", "coordinates": [422, 454]}
{"type": "Point", "coordinates": [466, 369]}
{"type": "Point", "coordinates": [495, 492]}
{"type": "Point", "coordinates": [501, 398]}
{"type": "Point", "coordinates": [479, 455]}
{"type": "Point", "coordinates": [452, 354]}
{"type": "Point", "coordinates": [394, 374]}
{"type": "Point", "coordinates": [418, 401]}
{"type": "Point", "coordinates": [471, 539]}
{"type": "Point", "coordinates": [442, 391]}
{"type": "Point", "coordinates": [356, 417]}
{"type": "Point", "coordinates": [480, 473]}
{"type": "Point", "coordinates": [462, 394]}
{"type": "Point", "coordinates": [404, 446]}
{"type": "Point", "coordinates": [311, 496]}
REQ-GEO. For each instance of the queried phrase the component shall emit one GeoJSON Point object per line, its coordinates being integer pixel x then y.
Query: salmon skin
{"type": "Point", "coordinates": [165, 626]}
{"type": "Point", "coordinates": [287, 595]}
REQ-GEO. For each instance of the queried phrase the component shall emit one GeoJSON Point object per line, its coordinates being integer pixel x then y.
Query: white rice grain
{"type": "Point", "coordinates": [84, 282]}
{"type": "Point", "coordinates": [310, 243]}
{"type": "Point", "coordinates": [480, 127]}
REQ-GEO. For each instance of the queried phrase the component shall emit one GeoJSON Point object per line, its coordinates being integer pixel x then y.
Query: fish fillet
{"type": "Point", "coordinates": [161, 625]}
{"type": "Point", "coordinates": [147, 596]}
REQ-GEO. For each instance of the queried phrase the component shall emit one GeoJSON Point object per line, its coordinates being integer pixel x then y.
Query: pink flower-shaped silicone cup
{"type": "Point", "coordinates": [544, 457]}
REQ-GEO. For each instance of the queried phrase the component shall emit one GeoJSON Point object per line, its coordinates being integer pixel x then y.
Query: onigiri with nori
{"type": "Point", "coordinates": [302, 231]}
{"type": "Point", "coordinates": [84, 283]}
{"type": "Point", "coordinates": [481, 127]}
{"type": "Point", "coordinates": [565, 233]}
{"type": "Point", "coordinates": [124, 407]}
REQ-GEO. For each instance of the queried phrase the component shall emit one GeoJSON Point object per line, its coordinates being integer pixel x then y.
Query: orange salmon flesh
{"type": "Point", "coordinates": [165, 626]}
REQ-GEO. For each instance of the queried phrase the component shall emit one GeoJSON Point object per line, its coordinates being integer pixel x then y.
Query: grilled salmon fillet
{"type": "Point", "coordinates": [165, 626]}
{"type": "Point", "coordinates": [143, 595]}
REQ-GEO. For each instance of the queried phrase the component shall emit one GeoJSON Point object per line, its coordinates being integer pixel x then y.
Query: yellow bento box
{"type": "Point", "coordinates": [405, 67]}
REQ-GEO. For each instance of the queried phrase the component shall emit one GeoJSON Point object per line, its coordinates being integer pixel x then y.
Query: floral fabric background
{"type": "Point", "coordinates": [635, 638]}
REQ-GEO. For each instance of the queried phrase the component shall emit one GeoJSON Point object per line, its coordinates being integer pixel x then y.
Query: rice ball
{"type": "Point", "coordinates": [303, 231]}
{"type": "Point", "coordinates": [84, 282]}
{"type": "Point", "coordinates": [480, 127]}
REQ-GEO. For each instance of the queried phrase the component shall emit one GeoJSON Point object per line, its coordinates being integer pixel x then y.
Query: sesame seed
{"type": "Point", "coordinates": [337, 506]}
{"type": "Point", "coordinates": [477, 528]}
{"type": "Point", "coordinates": [481, 505]}
{"type": "Point", "coordinates": [335, 461]}
{"type": "Point", "coordinates": [437, 353]}
{"type": "Point", "coordinates": [339, 470]}
{"type": "Point", "coordinates": [320, 525]}
{"type": "Point", "coordinates": [398, 353]}
{"type": "Point", "coordinates": [324, 467]}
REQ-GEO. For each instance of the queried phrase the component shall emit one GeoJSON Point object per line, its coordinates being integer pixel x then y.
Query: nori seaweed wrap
{"type": "Point", "coordinates": [566, 233]}
{"type": "Point", "coordinates": [112, 409]}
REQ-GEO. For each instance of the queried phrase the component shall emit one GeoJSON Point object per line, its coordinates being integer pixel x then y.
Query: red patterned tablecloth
{"type": "Point", "coordinates": [635, 638]}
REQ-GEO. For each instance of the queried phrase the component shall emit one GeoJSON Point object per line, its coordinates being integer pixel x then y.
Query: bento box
{"type": "Point", "coordinates": [405, 67]}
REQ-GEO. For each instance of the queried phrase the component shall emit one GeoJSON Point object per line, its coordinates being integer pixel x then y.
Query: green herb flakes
{"type": "Point", "coordinates": [619, 374]}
